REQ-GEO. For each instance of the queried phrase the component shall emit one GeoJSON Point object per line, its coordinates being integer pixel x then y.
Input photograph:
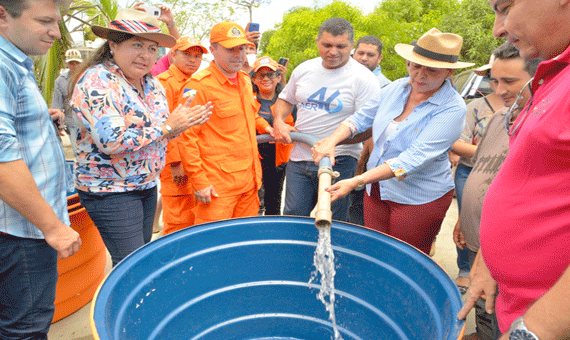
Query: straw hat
{"type": "Point", "coordinates": [265, 62]}
{"type": "Point", "coordinates": [434, 49]}
{"type": "Point", "coordinates": [185, 43]}
{"type": "Point", "coordinates": [137, 23]}
{"type": "Point", "coordinates": [73, 55]}
{"type": "Point", "coordinates": [229, 34]}
{"type": "Point", "coordinates": [481, 71]}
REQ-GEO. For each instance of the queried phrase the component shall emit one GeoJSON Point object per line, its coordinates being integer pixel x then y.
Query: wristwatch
{"type": "Point", "coordinates": [518, 331]}
{"type": "Point", "coordinates": [169, 129]}
{"type": "Point", "coordinates": [360, 181]}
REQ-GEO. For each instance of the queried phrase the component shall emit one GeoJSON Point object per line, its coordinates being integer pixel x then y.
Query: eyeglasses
{"type": "Point", "coordinates": [269, 75]}
{"type": "Point", "coordinates": [511, 130]}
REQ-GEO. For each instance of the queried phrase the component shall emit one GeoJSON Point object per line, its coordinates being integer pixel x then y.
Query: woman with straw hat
{"type": "Point", "coordinates": [123, 125]}
{"type": "Point", "coordinates": [415, 120]}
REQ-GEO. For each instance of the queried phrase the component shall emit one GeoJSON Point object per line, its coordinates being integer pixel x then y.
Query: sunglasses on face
{"type": "Point", "coordinates": [269, 75]}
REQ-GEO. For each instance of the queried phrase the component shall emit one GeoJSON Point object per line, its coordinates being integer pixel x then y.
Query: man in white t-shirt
{"type": "Point", "coordinates": [326, 90]}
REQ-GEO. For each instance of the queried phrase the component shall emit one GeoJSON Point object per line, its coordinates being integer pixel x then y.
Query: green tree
{"type": "Point", "coordinates": [474, 22]}
{"type": "Point", "coordinates": [264, 41]}
{"type": "Point", "coordinates": [80, 14]}
{"type": "Point", "coordinates": [196, 18]}
{"type": "Point", "coordinates": [393, 21]}
{"type": "Point", "coordinates": [250, 5]}
{"type": "Point", "coordinates": [294, 37]}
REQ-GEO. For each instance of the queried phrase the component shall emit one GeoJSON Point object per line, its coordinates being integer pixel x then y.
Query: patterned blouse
{"type": "Point", "coordinates": [478, 115]}
{"type": "Point", "coordinates": [119, 145]}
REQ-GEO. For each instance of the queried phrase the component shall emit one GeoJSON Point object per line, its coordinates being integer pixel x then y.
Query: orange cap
{"type": "Point", "coordinates": [265, 62]}
{"type": "Point", "coordinates": [228, 34]}
{"type": "Point", "coordinates": [184, 43]}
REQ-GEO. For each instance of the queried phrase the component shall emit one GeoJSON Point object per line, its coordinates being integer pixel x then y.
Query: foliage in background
{"type": "Point", "coordinates": [393, 21]}
{"type": "Point", "coordinates": [90, 12]}
{"type": "Point", "coordinates": [250, 5]}
{"type": "Point", "coordinates": [47, 66]}
{"type": "Point", "coordinates": [474, 22]}
{"type": "Point", "coordinates": [195, 18]}
{"type": "Point", "coordinates": [80, 14]}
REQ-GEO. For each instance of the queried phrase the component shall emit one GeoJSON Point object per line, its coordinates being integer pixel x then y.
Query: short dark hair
{"type": "Point", "coordinates": [371, 40]}
{"type": "Point", "coordinates": [506, 51]}
{"type": "Point", "coordinates": [509, 51]}
{"type": "Point", "coordinates": [16, 7]}
{"type": "Point", "coordinates": [336, 27]}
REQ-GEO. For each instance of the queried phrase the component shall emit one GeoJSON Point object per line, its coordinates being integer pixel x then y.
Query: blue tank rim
{"type": "Point", "coordinates": [122, 267]}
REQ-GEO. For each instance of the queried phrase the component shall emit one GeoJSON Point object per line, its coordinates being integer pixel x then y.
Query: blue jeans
{"type": "Point", "coordinates": [28, 275]}
{"type": "Point", "coordinates": [124, 219]}
{"type": "Point", "coordinates": [461, 174]}
{"type": "Point", "coordinates": [356, 210]}
{"type": "Point", "coordinates": [302, 184]}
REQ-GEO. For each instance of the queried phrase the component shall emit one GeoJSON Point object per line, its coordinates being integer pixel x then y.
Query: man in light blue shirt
{"type": "Point", "coordinates": [368, 52]}
{"type": "Point", "coordinates": [34, 225]}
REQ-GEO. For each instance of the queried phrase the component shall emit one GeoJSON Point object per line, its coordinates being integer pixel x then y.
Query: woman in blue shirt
{"type": "Point", "coordinates": [414, 122]}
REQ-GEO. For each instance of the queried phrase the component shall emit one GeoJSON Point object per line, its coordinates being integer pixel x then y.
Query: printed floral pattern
{"type": "Point", "coordinates": [397, 169]}
{"type": "Point", "coordinates": [119, 145]}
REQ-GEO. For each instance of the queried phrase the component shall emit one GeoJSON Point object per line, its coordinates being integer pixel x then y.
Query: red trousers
{"type": "Point", "coordinates": [417, 225]}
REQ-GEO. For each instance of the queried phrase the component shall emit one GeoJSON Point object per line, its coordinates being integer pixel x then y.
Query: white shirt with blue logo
{"type": "Point", "coordinates": [326, 97]}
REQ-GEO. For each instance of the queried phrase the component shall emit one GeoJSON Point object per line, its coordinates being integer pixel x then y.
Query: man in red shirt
{"type": "Point", "coordinates": [525, 222]}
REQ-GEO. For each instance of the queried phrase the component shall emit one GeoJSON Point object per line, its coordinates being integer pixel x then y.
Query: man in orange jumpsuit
{"type": "Point", "coordinates": [177, 197]}
{"type": "Point", "coordinates": [220, 156]}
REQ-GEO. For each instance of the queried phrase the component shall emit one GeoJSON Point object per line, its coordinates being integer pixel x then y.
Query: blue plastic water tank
{"type": "Point", "coordinates": [248, 279]}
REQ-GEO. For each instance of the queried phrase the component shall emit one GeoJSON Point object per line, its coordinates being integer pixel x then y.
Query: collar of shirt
{"type": "Point", "coordinates": [549, 68]}
{"type": "Point", "coordinates": [377, 70]}
{"type": "Point", "coordinates": [11, 51]}
{"type": "Point", "coordinates": [440, 97]}
{"type": "Point", "coordinates": [220, 77]}
{"type": "Point", "coordinates": [178, 74]}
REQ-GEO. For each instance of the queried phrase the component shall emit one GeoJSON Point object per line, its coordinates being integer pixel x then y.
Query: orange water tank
{"type": "Point", "coordinates": [80, 274]}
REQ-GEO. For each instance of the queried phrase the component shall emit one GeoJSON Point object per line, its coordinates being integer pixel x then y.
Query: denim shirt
{"type": "Point", "coordinates": [27, 133]}
{"type": "Point", "coordinates": [382, 80]}
{"type": "Point", "coordinates": [417, 150]}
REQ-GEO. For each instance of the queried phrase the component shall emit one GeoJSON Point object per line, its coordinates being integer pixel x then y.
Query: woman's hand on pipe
{"type": "Point", "coordinates": [342, 188]}
{"type": "Point", "coordinates": [324, 147]}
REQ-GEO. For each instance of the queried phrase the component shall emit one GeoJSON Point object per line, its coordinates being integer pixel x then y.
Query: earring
{"type": "Point", "coordinates": [112, 53]}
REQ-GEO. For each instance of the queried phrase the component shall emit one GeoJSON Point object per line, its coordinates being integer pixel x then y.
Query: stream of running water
{"type": "Point", "coordinates": [323, 261]}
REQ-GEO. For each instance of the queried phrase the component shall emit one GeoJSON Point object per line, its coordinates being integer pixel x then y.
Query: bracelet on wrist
{"type": "Point", "coordinates": [518, 331]}
{"type": "Point", "coordinates": [169, 130]}
{"type": "Point", "coordinates": [172, 24]}
{"type": "Point", "coordinates": [360, 181]}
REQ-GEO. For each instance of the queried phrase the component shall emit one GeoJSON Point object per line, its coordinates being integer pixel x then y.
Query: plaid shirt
{"type": "Point", "coordinates": [27, 133]}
